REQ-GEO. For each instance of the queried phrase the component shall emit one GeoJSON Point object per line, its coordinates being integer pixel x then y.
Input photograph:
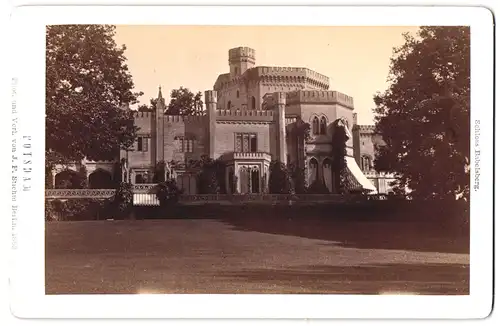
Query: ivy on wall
{"type": "Point", "coordinates": [339, 153]}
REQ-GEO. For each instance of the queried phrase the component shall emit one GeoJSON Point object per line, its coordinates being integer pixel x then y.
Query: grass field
{"type": "Point", "coordinates": [241, 255]}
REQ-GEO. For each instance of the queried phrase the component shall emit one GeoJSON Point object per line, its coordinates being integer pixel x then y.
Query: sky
{"type": "Point", "coordinates": [356, 59]}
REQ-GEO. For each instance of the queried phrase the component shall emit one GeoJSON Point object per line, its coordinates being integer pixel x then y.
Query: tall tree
{"type": "Point", "coordinates": [87, 83]}
{"type": "Point", "coordinates": [148, 108]}
{"type": "Point", "coordinates": [423, 116]}
{"type": "Point", "coordinates": [185, 102]}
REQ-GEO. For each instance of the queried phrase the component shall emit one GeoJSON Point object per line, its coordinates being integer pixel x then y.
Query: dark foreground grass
{"type": "Point", "coordinates": [259, 255]}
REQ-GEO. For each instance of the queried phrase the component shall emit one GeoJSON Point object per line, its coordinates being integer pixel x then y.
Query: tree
{"type": "Point", "coordinates": [211, 178]}
{"type": "Point", "coordinates": [150, 108]}
{"type": "Point", "coordinates": [87, 83]}
{"type": "Point", "coordinates": [159, 173]}
{"type": "Point", "coordinates": [185, 102]}
{"type": "Point", "coordinates": [339, 152]}
{"type": "Point", "coordinates": [279, 179]}
{"type": "Point", "coordinates": [123, 199]}
{"type": "Point", "coordinates": [423, 116]}
{"type": "Point", "coordinates": [168, 193]}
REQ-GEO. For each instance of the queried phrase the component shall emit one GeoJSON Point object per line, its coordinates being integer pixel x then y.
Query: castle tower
{"type": "Point", "coordinates": [158, 129]}
{"type": "Point", "coordinates": [211, 105]}
{"type": "Point", "coordinates": [279, 99]}
{"type": "Point", "coordinates": [240, 59]}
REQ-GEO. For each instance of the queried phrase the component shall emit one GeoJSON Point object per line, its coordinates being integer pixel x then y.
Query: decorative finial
{"type": "Point", "coordinates": [159, 92]}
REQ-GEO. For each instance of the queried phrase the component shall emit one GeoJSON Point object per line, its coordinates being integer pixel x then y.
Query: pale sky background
{"type": "Point", "coordinates": [356, 59]}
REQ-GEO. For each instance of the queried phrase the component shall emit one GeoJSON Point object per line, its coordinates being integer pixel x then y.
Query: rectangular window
{"type": "Point", "coordinates": [185, 145]}
{"type": "Point", "coordinates": [245, 143]}
{"type": "Point", "coordinates": [139, 144]}
{"type": "Point", "coordinates": [238, 143]}
{"type": "Point", "coordinates": [142, 144]}
{"type": "Point", "coordinates": [253, 143]}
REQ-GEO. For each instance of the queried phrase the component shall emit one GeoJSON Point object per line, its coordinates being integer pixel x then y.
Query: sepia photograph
{"type": "Point", "coordinates": [257, 159]}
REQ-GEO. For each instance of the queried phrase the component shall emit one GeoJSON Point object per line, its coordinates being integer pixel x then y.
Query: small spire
{"type": "Point", "coordinates": [159, 92]}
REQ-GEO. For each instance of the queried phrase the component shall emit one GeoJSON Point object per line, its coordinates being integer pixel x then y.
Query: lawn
{"type": "Point", "coordinates": [241, 255]}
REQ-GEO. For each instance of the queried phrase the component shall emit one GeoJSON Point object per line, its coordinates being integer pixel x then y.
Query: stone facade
{"type": "Point", "coordinates": [251, 118]}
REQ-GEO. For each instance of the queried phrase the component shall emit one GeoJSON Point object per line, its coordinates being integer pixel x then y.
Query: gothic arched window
{"type": "Point", "coordinates": [254, 104]}
{"type": "Point", "coordinates": [315, 126]}
{"type": "Point", "coordinates": [237, 94]}
{"type": "Point", "coordinates": [322, 126]}
{"type": "Point", "coordinates": [366, 163]}
{"type": "Point", "coordinates": [229, 105]}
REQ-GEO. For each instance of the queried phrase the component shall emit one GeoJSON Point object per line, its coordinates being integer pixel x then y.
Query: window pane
{"type": "Point", "coordinates": [139, 144]}
{"type": "Point", "coordinates": [253, 143]}
{"type": "Point", "coordinates": [238, 145]}
{"type": "Point", "coordinates": [246, 145]}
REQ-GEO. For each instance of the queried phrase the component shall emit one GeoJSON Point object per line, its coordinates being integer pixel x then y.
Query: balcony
{"type": "Point", "coordinates": [251, 156]}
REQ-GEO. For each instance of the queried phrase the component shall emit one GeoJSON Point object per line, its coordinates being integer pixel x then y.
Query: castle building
{"type": "Point", "coordinates": [253, 115]}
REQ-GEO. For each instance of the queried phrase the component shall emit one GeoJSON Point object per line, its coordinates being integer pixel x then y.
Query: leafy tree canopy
{"type": "Point", "coordinates": [280, 181]}
{"type": "Point", "coordinates": [148, 108]}
{"type": "Point", "coordinates": [423, 116]}
{"type": "Point", "coordinates": [185, 102]}
{"type": "Point", "coordinates": [87, 83]}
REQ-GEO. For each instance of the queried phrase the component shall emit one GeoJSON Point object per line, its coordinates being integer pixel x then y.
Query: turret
{"type": "Point", "coordinates": [279, 100]}
{"type": "Point", "coordinates": [157, 129]}
{"type": "Point", "coordinates": [240, 59]}
{"type": "Point", "coordinates": [211, 106]}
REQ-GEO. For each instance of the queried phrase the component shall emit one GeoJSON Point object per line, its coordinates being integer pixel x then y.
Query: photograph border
{"type": "Point", "coordinates": [27, 277]}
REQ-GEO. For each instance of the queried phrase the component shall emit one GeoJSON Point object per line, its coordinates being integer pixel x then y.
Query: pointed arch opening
{"type": "Point", "coordinates": [322, 126]}
{"type": "Point", "coordinates": [101, 179]}
{"type": "Point", "coordinates": [327, 174]}
{"type": "Point", "coordinates": [254, 103]}
{"type": "Point", "coordinates": [315, 126]}
{"type": "Point", "coordinates": [366, 163]}
{"type": "Point", "coordinates": [313, 170]}
{"type": "Point", "coordinates": [67, 179]}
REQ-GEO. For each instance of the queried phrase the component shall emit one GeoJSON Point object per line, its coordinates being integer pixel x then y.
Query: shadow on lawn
{"type": "Point", "coordinates": [442, 279]}
{"type": "Point", "coordinates": [416, 236]}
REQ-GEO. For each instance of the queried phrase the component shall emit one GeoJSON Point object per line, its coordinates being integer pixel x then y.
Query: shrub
{"type": "Point", "coordinates": [77, 209]}
{"type": "Point", "coordinates": [279, 179]}
{"type": "Point", "coordinates": [211, 178]}
{"type": "Point", "coordinates": [318, 187]}
{"type": "Point", "coordinates": [168, 193]}
{"type": "Point", "coordinates": [159, 173]}
{"type": "Point", "coordinates": [123, 198]}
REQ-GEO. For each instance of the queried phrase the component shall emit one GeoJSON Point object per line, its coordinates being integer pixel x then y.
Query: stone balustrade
{"type": "Point", "coordinates": [149, 189]}
{"type": "Point", "coordinates": [251, 155]}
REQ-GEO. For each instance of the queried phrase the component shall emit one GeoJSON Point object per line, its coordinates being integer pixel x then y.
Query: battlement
{"type": "Point", "coordinates": [184, 118]}
{"type": "Point", "coordinates": [210, 97]}
{"type": "Point", "coordinates": [244, 115]}
{"type": "Point", "coordinates": [241, 53]}
{"type": "Point", "coordinates": [138, 114]}
{"type": "Point", "coordinates": [276, 75]}
{"type": "Point", "coordinates": [289, 74]}
{"type": "Point", "coordinates": [330, 97]}
{"type": "Point", "coordinates": [369, 129]}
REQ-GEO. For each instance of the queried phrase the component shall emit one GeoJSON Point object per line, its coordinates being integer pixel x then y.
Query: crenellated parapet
{"type": "Point", "coordinates": [244, 115]}
{"type": "Point", "coordinates": [365, 129]}
{"type": "Point", "coordinates": [314, 96]}
{"type": "Point", "coordinates": [270, 76]}
{"type": "Point", "coordinates": [242, 54]}
{"type": "Point", "coordinates": [185, 118]}
{"type": "Point", "coordinates": [147, 115]}
{"type": "Point", "coordinates": [210, 97]}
